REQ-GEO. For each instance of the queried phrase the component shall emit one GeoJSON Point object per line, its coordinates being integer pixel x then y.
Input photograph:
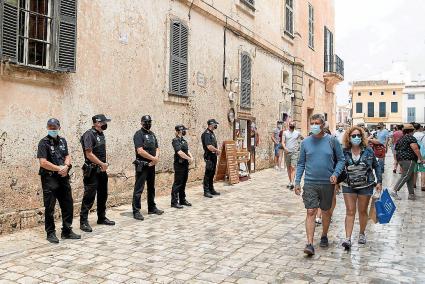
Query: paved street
{"type": "Point", "coordinates": [252, 233]}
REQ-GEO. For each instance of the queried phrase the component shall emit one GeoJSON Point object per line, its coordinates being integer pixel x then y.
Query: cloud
{"type": "Point", "coordinates": [373, 34]}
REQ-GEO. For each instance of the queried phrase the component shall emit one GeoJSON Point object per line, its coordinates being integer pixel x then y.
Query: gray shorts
{"type": "Point", "coordinates": [291, 159]}
{"type": "Point", "coordinates": [318, 196]}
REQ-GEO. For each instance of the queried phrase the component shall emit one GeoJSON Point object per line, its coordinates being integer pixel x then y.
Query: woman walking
{"type": "Point", "coordinates": [360, 163]}
{"type": "Point", "coordinates": [408, 154]}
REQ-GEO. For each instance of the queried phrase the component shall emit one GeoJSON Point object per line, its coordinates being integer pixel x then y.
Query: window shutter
{"type": "Point", "coordinates": [9, 30]}
{"type": "Point", "coordinates": [245, 80]}
{"type": "Point", "coordinates": [178, 76]}
{"type": "Point", "coordinates": [183, 59]}
{"type": "Point", "coordinates": [66, 36]}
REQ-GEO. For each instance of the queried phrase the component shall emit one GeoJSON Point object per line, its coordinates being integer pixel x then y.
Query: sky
{"type": "Point", "coordinates": [380, 39]}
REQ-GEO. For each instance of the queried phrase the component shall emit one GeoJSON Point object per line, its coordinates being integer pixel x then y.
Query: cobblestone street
{"type": "Point", "coordinates": [253, 233]}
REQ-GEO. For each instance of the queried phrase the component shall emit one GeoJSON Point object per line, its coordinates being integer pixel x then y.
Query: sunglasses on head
{"type": "Point", "coordinates": [356, 135]}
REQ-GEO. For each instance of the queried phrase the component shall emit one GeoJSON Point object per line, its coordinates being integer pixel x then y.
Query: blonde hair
{"type": "Point", "coordinates": [346, 140]}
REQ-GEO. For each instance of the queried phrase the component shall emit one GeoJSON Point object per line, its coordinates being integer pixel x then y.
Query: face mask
{"type": "Point", "coordinates": [292, 127]}
{"type": "Point", "coordinates": [356, 141]}
{"type": "Point", "coordinates": [147, 125]}
{"type": "Point", "coordinates": [53, 133]}
{"type": "Point", "coordinates": [315, 129]}
{"type": "Point", "coordinates": [104, 127]}
{"type": "Point", "coordinates": [279, 126]}
{"type": "Point", "coordinates": [340, 129]}
{"type": "Point", "coordinates": [215, 126]}
{"type": "Point", "coordinates": [184, 132]}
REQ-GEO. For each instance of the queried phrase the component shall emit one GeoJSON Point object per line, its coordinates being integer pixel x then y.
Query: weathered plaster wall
{"type": "Point", "coordinates": [122, 71]}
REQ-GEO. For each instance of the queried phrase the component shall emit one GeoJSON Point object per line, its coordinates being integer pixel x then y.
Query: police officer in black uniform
{"type": "Point", "coordinates": [182, 158]}
{"type": "Point", "coordinates": [94, 170]}
{"type": "Point", "coordinates": [209, 143]}
{"type": "Point", "coordinates": [55, 163]}
{"type": "Point", "coordinates": [147, 156]}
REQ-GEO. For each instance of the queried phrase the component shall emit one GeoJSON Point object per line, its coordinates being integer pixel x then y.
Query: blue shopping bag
{"type": "Point", "coordinates": [385, 207]}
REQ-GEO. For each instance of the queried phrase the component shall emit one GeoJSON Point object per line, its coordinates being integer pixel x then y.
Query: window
{"type": "Point", "coordinates": [32, 34]}
{"type": "Point", "coordinates": [178, 58]}
{"type": "Point", "coordinates": [326, 116]}
{"type": "Point", "coordinates": [245, 80]}
{"type": "Point", "coordinates": [411, 114]}
{"type": "Point", "coordinates": [382, 109]}
{"type": "Point", "coordinates": [382, 93]}
{"type": "Point", "coordinates": [249, 3]}
{"type": "Point", "coordinates": [370, 93]}
{"type": "Point", "coordinates": [394, 107]}
{"type": "Point", "coordinates": [359, 94]}
{"type": "Point", "coordinates": [410, 96]}
{"type": "Point", "coordinates": [289, 17]}
{"type": "Point", "coordinates": [310, 26]}
{"type": "Point", "coordinates": [394, 93]}
{"type": "Point", "coordinates": [329, 50]}
{"type": "Point", "coordinates": [370, 109]}
{"type": "Point", "coordinates": [359, 107]}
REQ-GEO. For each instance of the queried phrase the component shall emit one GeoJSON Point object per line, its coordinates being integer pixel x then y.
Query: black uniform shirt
{"type": "Point", "coordinates": [147, 140]}
{"type": "Point", "coordinates": [180, 144]}
{"type": "Point", "coordinates": [53, 150]}
{"type": "Point", "coordinates": [208, 138]}
{"type": "Point", "coordinates": [94, 140]}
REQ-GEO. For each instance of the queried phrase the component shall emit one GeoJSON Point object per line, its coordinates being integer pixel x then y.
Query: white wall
{"type": "Point", "coordinates": [418, 103]}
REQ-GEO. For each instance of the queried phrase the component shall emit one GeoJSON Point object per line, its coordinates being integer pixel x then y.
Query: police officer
{"type": "Point", "coordinates": [94, 170]}
{"type": "Point", "coordinates": [182, 158]}
{"type": "Point", "coordinates": [147, 156]}
{"type": "Point", "coordinates": [209, 143]}
{"type": "Point", "coordinates": [55, 163]}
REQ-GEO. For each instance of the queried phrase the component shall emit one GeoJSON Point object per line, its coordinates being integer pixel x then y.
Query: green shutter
{"type": "Point", "coordinates": [66, 36]}
{"type": "Point", "coordinates": [9, 30]}
{"type": "Point", "coordinates": [178, 75]}
{"type": "Point", "coordinates": [245, 80]}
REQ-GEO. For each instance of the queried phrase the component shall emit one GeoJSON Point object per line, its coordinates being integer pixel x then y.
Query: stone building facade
{"type": "Point", "coordinates": [180, 61]}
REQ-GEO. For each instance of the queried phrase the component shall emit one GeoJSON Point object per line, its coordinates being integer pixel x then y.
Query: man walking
{"type": "Point", "coordinates": [277, 145]}
{"type": "Point", "coordinates": [339, 134]}
{"type": "Point", "coordinates": [290, 144]}
{"type": "Point", "coordinates": [321, 161]}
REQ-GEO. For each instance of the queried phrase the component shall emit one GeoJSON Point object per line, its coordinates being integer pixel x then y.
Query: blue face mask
{"type": "Point", "coordinates": [53, 133]}
{"type": "Point", "coordinates": [315, 129]}
{"type": "Point", "coordinates": [356, 141]}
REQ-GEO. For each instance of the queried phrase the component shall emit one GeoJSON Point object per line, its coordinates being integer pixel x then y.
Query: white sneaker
{"type": "Point", "coordinates": [318, 221]}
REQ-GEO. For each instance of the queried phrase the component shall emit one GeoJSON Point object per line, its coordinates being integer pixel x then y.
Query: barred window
{"type": "Point", "coordinates": [39, 33]}
{"type": "Point", "coordinates": [289, 16]}
{"type": "Point", "coordinates": [245, 80]}
{"type": "Point", "coordinates": [310, 26]}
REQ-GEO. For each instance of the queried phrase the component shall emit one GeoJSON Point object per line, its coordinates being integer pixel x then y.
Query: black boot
{"type": "Point", "coordinates": [138, 216]}
{"type": "Point", "coordinates": [105, 221]}
{"type": "Point", "coordinates": [207, 194]}
{"type": "Point", "coordinates": [69, 234]}
{"type": "Point", "coordinates": [51, 237]}
{"type": "Point", "coordinates": [185, 203]}
{"type": "Point", "coordinates": [176, 205]}
{"type": "Point", "coordinates": [213, 192]}
{"type": "Point", "coordinates": [85, 227]}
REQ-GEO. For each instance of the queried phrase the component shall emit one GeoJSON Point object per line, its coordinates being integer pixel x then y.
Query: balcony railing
{"type": "Point", "coordinates": [334, 64]}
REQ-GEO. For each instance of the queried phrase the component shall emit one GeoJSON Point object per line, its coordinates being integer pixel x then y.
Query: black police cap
{"type": "Point", "coordinates": [180, 127]}
{"type": "Point", "coordinates": [53, 122]}
{"type": "Point", "coordinates": [146, 118]}
{"type": "Point", "coordinates": [100, 118]}
{"type": "Point", "coordinates": [212, 121]}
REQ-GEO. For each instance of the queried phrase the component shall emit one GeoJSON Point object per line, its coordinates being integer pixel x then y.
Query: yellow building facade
{"type": "Point", "coordinates": [377, 101]}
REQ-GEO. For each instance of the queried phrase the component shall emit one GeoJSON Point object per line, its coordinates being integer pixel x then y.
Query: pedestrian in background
{"type": "Point", "coordinates": [398, 133]}
{"type": "Point", "coordinates": [290, 144]}
{"type": "Point", "coordinates": [276, 138]}
{"type": "Point", "coordinates": [360, 165]}
{"type": "Point", "coordinates": [408, 155]}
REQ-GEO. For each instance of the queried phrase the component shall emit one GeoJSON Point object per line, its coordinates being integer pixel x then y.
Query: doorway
{"type": "Point", "coordinates": [246, 136]}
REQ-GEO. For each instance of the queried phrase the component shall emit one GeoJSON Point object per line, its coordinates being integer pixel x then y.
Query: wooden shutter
{"type": "Point", "coordinates": [66, 36]}
{"type": "Point", "coordinates": [245, 80]}
{"type": "Point", "coordinates": [178, 58]}
{"type": "Point", "coordinates": [9, 30]}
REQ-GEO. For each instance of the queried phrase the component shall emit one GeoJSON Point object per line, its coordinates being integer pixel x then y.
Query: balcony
{"type": "Point", "coordinates": [334, 69]}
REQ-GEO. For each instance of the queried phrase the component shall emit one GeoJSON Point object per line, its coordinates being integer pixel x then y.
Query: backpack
{"type": "Point", "coordinates": [357, 173]}
{"type": "Point", "coordinates": [343, 175]}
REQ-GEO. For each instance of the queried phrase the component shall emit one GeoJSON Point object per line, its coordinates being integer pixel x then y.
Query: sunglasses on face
{"type": "Point", "coordinates": [356, 135]}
